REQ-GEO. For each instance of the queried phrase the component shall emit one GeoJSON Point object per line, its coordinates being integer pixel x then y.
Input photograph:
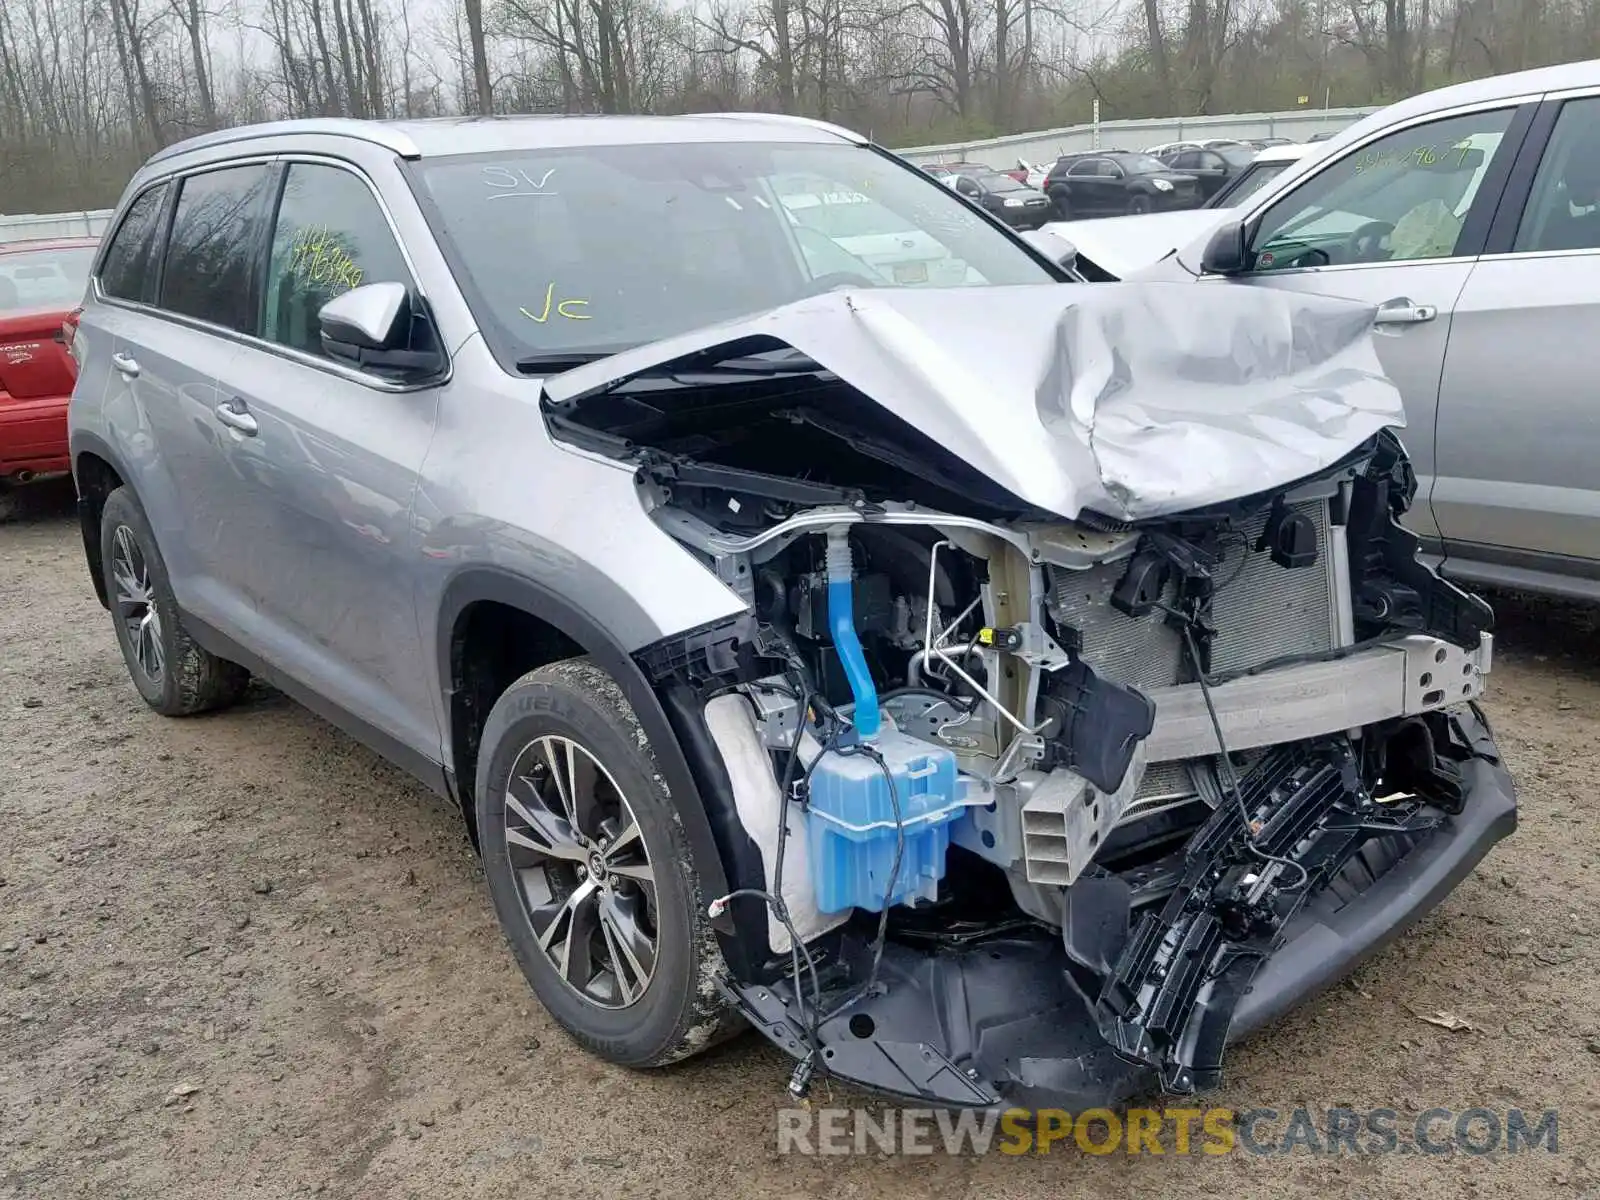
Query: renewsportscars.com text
{"type": "Point", "coordinates": [1177, 1131]}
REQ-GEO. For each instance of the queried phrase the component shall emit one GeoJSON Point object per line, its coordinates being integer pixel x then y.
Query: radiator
{"type": "Point", "coordinates": [1261, 612]}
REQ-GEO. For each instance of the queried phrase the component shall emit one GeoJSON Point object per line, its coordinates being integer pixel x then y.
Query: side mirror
{"type": "Point", "coordinates": [1225, 253]}
{"type": "Point", "coordinates": [370, 327]}
{"type": "Point", "coordinates": [1053, 246]}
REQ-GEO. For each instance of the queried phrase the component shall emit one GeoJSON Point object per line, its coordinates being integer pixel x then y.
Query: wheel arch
{"type": "Point", "coordinates": [96, 473]}
{"type": "Point", "coordinates": [484, 600]}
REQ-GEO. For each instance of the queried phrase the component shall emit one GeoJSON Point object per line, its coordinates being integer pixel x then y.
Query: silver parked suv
{"type": "Point", "coordinates": [1000, 693]}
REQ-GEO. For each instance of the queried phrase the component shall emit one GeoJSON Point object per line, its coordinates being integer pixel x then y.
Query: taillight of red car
{"type": "Point", "coordinates": [1020, 174]}
{"type": "Point", "coordinates": [69, 334]}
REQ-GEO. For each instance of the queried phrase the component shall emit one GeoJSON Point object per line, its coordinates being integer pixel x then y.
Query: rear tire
{"type": "Point", "coordinates": [591, 873]}
{"type": "Point", "coordinates": [1062, 204]}
{"type": "Point", "coordinates": [174, 674]}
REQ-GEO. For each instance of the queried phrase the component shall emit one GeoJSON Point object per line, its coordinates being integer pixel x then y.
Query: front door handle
{"type": "Point", "coordinates": [234, 415]}
{"type": "Point", "coordinates": [126, 363]}
{"type": "Point", "coordinates": [1403, 312]}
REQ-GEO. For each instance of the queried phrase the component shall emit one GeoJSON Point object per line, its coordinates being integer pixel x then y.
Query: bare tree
{"type": "Point", "coordinates": [484, 92]}
{"type": "Point", "coordinates": [89, 87]}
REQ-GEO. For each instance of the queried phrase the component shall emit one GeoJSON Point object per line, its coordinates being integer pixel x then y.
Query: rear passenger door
{"type": "Point", "coordinates": [1518, 485]}
{"type": "Point", "coordinates": [323, 461]}
{"type": "Point", "coordinates": [1088, 195]}
{"type": "Point", "coordinates": [173, 327]}
{"type": "Point", "coordinates": [1206, 166]}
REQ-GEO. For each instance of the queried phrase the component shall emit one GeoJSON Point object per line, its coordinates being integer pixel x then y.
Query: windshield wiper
{"type": "Point", "coordinates": [557, 361]}
{"type": "Point", "coordinates": [714, 363]}
{"type": "Point", "coordinates": [788, 362]}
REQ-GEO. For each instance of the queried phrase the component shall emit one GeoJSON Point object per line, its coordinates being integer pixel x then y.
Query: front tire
{"type": "Point", "coordinates": [590, 870]}
{"type": "Point", "coordinates": [174, 674]}
{"type": "Point", "coordinates": [1138, 205]}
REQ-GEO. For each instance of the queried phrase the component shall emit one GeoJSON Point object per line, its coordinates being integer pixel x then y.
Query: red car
{"type": "Point", "coordinates": [41, 286]}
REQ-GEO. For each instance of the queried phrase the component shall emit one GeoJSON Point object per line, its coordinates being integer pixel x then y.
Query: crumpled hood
{"type": "Point", "coordinates": [1133, 400]}
{"type": "Point", "coordinates": [1122, 245]}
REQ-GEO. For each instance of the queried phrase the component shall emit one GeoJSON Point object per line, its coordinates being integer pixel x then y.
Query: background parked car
{"type": "Point", "coordinates": [1261, 170]}
{"type": "Point", "coordinates": [947, 172]}
{"type": "Point", "coordinates": [1166, 148]}
{"type": "Point", "coordinates": [1114, 183]}
{"type": "Point", "coordinates": [1017, 204]}
{"type": "Point", "coordinates": [41, 282]}
{"type": "Point", "coordinates": [1213, 169]}
{"type": "Point", "coordinates": [1470, 217]}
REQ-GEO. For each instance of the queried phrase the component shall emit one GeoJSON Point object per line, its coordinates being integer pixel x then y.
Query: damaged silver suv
{"type": "Point", "coordinates": [996, 689]}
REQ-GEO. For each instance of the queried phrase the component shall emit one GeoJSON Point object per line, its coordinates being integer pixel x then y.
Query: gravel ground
{"type": "Point", "coordinates": [240, 955]}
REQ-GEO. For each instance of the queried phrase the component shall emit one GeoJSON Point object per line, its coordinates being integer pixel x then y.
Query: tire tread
{"type": "Point", "coordinates": [196, 680]}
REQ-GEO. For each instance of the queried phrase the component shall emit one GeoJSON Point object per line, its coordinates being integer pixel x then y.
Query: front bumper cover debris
{"type": "Point", "coordinates": [1099, 1014]}
{"type": "Point", "coordinates": [1173, 990]}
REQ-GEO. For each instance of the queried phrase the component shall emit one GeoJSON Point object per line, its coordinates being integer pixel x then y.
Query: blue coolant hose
{"type": "Point", "coordinates": [842, 625]}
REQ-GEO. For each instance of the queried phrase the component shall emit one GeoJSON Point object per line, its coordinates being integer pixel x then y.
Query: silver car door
{"type": "Point", "coordinates": [1518, 440]}
{"type": "Point", "coordinates": [325, 458]}
{"type": "Point", "coordinates": [167, 358]}
{"type": "Point", "coordinates": [1395, 222]}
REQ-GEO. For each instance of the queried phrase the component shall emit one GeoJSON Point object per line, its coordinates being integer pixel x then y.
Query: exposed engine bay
{"type": "Point", "coordinates": [1023, 805]}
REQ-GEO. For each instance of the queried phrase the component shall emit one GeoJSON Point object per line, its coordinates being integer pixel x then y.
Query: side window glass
{"type": "Point", "coordinates": [1085, 166]}
{"type": "Point", "coordinates": [1401, 198]}
{"type": "Point", "coordinates": [330, 236]}
{"type": "Point", "coordinates": [211, 255]}
{"type": "Point", "coordinates": [1563, 210]}
{"type": "Point", "coordinates": [966, 187]}
{"type": "Point", "coordinates": [129, 269]}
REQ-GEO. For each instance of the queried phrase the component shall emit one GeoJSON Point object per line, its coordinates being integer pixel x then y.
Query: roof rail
{"type": "Point", "coordinates": [376, 132]}
{"type": "Point", "coordinates": [849, 135]}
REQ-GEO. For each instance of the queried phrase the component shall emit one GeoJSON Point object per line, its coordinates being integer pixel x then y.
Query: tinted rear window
{"type": "Point", "coordinates": [129, 269]}
{"type": "Point", "coordinates": [217, 238]}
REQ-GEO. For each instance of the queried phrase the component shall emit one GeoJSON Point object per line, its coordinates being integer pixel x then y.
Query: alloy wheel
{"type": "Point", "coordinates": [136, 605]}
{"type": "Point", "coordinates": [584, 876]}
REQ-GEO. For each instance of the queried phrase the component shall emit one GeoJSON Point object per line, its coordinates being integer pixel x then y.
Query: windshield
{"type": "Point", "coordinates": [593, 249]}
{"type": "Point", "coordinates": [837, 214]}
{"type": "Point", "coordinates": [44, 279]}
{"type": "Point", "coordinates": [1001, 183]}
{"type": "Point", "coordinates": [1139, 164]}
{"type": "Point", "coordinates": [1247, 183]}
{"type": "Point", "coordinates": [1236, 156]}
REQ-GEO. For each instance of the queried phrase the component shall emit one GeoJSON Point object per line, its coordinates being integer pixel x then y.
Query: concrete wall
{"type": "Point", "coordinates": [53, 225]}
{"type": "Point", "coordinates": [1042, 147]}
